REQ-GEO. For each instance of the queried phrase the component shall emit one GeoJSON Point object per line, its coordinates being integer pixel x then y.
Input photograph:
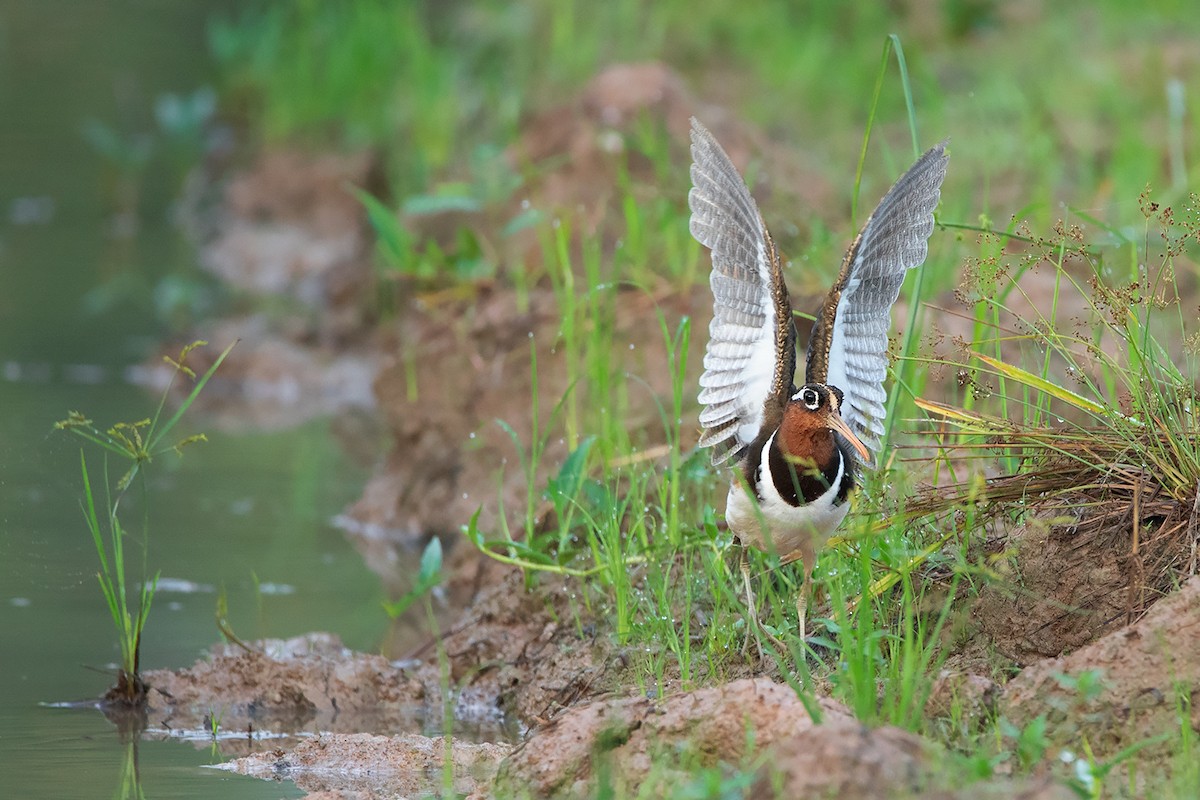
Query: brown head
{"type": "Point", "coordinates": [810, 419]}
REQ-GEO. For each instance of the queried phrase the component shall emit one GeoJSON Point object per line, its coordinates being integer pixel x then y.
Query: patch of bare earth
{"type": "Point", "coordinates": [1149, 686]}
{"type": "Point", "coordinates": [1060, 589]}
{"type": "Point", "coordinates": [632, 739]}
{"type": "Point", "coordinates": [1082, 570]}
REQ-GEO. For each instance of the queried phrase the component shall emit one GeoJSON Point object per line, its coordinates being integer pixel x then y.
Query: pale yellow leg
{"type": "Point", "coordinates": [753, 628]}
{"type": "Point", "coordinates": [802, 609]}
{"type": "Point", "coordinates": [803, 595]}
{"type": "Point", "coordinates": [751, 608]}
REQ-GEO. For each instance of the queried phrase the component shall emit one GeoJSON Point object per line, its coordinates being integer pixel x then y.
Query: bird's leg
{"type": "Point", "coordinates": [801, 611]}
{"type": "Point", "coordinates": [751, 607]}
{"type": "Point", "coordinates": [802, 597]}
{"type": "Point", "coordinates": [754, 628]}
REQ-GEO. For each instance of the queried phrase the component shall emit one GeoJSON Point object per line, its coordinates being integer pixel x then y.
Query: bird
{"type": "Point", "coordinates": [796, 453]}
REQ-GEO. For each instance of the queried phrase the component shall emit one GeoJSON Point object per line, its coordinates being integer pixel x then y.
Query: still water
{"type": "Point", "coordinates": [86, 249]}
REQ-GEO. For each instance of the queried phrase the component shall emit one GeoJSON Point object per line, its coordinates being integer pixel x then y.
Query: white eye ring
{"type": "Point", "coordinates": [810, 398]}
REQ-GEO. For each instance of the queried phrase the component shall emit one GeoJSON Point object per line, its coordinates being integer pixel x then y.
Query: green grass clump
{"type": "Point", "coordinates": [137, 443]}
{"type": "Point", "coordinates": [1099, 412]}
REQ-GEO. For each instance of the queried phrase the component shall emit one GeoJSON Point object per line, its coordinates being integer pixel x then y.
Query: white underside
{"type": "Point", "coordinates": [774, 525]}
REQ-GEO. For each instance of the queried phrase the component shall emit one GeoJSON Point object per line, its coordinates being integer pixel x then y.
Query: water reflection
{"type": "Point", "coordinates": [129, 785]}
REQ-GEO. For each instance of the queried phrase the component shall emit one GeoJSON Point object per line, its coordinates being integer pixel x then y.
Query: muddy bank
{"type": "Point", "coordinates": [512, 660]}
{"type": "Point", "coordinates": [538, 661]}
{"type": "Point", "coordinates": [306, 684]}
{"type": "Point", "coordinates": [657, 744]}
{"type": "Point", "coordinates": [517, 655]}
{"type": "Point", "coordinates": [628, 733]}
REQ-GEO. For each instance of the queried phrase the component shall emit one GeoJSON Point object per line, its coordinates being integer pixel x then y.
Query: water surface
{"type": "Point", "coordinates": [86, 248]}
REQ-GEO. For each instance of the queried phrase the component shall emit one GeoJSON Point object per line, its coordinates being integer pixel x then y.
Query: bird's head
{"type": "Point", "coordinates": [809, 420]}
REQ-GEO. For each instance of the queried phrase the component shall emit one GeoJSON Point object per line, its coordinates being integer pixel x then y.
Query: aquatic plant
{"type": "Point", "coordinates": [137, 443]}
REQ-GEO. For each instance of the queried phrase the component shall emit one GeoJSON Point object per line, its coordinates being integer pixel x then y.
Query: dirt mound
{"type": "Point", "coordinates": [634, 737]}
{"type": "Point", "coordinates": [1139, 682]}
{"type": "Point", "coordinates": [1076, 574]}
{"type": "Point", "coordinates": [524, 655]}
{"type": "Point", "coordinates": [562, 756]}
{"type": "Point", "coordinates": [365, 766]}
{"type": "Point", "coordinates": [844, 759]}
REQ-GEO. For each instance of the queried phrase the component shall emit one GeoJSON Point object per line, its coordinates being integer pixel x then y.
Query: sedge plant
{"type": "Point", "coordinates": [137, 444]}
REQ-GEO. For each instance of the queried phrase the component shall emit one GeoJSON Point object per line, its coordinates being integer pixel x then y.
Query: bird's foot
{"type": "Point", "coordinates": [755, 632]}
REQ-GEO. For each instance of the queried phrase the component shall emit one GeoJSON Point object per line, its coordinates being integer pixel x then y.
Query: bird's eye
{"type": "Point", "coordinates": [811, 399]}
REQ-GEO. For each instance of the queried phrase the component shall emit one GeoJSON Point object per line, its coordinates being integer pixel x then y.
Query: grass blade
{"type": "Point", "coordinates": [1041, 385]}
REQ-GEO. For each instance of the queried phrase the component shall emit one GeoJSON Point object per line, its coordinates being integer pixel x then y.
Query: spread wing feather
{"type": "Point", "coordinates": [751, 356]}
{"type": "Point", "coordinates": [848, 345]}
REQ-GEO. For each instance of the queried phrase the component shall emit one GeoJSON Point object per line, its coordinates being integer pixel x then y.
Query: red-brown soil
{"type": "Point", "coordinates": [1148, 685]}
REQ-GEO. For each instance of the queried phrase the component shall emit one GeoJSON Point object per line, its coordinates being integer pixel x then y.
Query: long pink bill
{"type": "Point", "coordinates": [838, 424]}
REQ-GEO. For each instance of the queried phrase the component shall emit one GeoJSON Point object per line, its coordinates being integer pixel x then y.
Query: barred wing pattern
{"type": "Point", "coordinates": [848, 345]}
{"type": "Point", "coordinates": [751, 356]}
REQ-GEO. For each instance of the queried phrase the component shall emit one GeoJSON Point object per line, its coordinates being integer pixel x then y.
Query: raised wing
{"type": "Point", "coordinates": [751, 356]}
{"type": "Point", "coordinates": [848, 345]}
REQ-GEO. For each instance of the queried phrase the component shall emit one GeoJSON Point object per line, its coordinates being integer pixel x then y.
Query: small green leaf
{"type": "Point", "coordinates": [391, 238]}
{"type": "Point", "coordinates": [425, 204]}
{"type": "Point", "coordinates": [431, 562]}
{"type": "Point", "coordinates": [428, 576]}
{"type": "Point", "coordinates": [472, 529]}
{"type": "Point", "coordinates": [528, 218]}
